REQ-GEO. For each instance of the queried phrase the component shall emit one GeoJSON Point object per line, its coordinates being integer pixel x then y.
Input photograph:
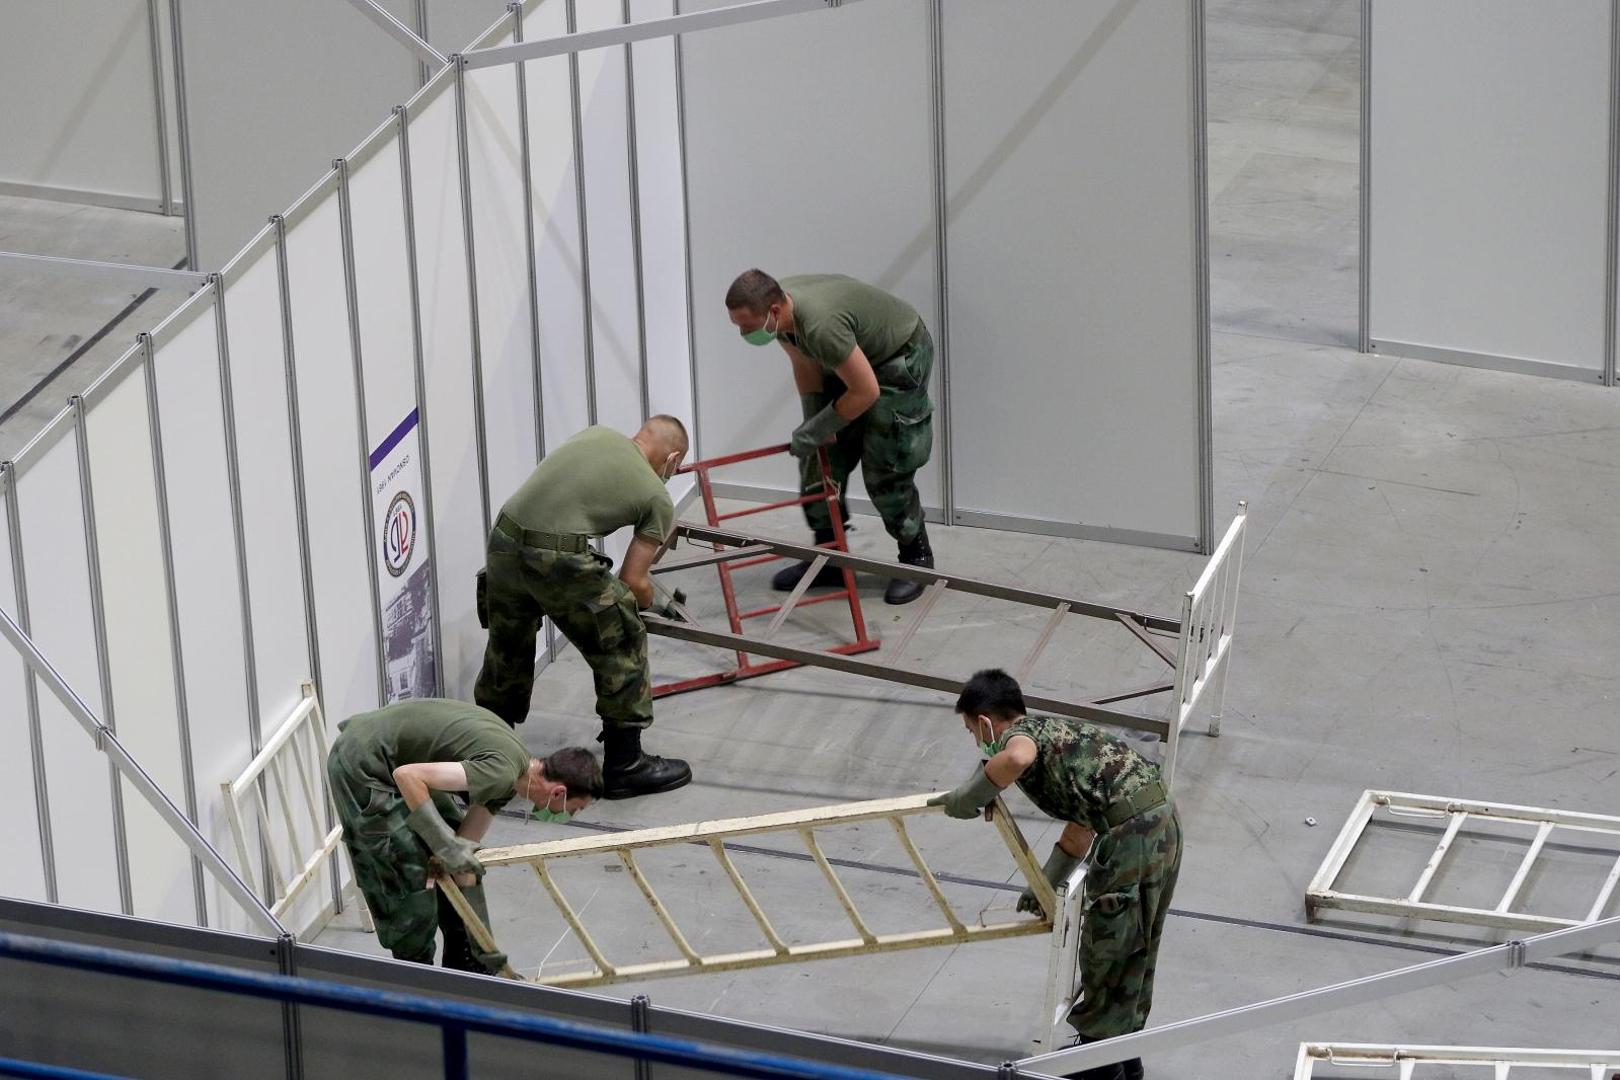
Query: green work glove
{"type": "Point", "coordinates": [810, 404]}
{"type": "Point", "coordinates": [1059, 865]}
{"type": "Point", "coordinates": [970, 798]}
{"type": "Point", "coordinates": [815, 431]}
{"type": "Point", "coordinates": [454, 851]}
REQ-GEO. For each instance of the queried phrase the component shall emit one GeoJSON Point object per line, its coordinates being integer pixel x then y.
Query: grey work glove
{"type": "Point", "coordinates": [815, 431]}
{"type": "Point", "coordinates": [967, 800]}
{"type": "Point", "coordinates": [810, 404]}
{"type": "Point", "coordinates": [454, 851]}
{"type": "Point", "coordinates": [1059, 865]}
{"type": "Point", "coordinates": [665, 603]}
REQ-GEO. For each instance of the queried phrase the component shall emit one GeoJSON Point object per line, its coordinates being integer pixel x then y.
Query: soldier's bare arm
{"type": "Point", "coordinates": [1076, 839]}
{"type": "Point", "coordinates": [416, 782]}
{"type": "Point", "coordinates": [806, 375]}
{"type": "Point", "coordinates": [636, 570]}
{"type": "Point", "coordinates": [857, 374]}
{"type": "Point", "coordinates": [1011, 761]}
{"type": "Point", "coordinates": [476, 823]}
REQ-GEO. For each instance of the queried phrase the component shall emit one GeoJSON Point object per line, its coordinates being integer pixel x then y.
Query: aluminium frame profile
{"type": "Point", "coordinates": [804, 823]}
{"type": "Point", "coordinates": [576, 41]}
{"type": "Point", "coordinates": [1320, 894]}
{"type": "Point", "coordinates": [1144, 627]}
{"type": "Point", "coordinates": [1509, 957]}
{"type": "Point", "coordinates": [1409, 1060]}
{"type": "Point", "coordinates": [106, 742]}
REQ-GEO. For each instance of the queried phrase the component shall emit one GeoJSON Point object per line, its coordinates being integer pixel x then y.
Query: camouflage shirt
{"type": "Point", "coordinates": [1079, 769]}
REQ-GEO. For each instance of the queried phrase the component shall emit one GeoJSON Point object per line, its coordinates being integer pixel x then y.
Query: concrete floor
{"type": "Point", "coordinates": [1430, 604]}
{"type": "Point", "coordinates": [60, 330]}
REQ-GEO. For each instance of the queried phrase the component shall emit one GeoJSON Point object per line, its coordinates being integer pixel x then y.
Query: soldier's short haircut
{"type": "Point", "coordinates": [991, 692]}
{"type": "Point", "coordinates": [754, 290]}
{"type": "Point", "coordinates": [577, 769]}
{"type": "Point", "coordinates": [668, 430]}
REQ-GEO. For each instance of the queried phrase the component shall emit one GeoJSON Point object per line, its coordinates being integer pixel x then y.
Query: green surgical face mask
{"type": "Point", "coordinates": [991, 748]}
{"type": "Point", "coordinates": [547, 814]}
{"type": "Point", "coordinates": [763, 336]}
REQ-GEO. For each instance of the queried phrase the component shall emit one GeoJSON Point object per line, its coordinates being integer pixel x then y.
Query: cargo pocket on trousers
{"type": "Point", "coordinates": [481, 597]}
{"type": "Point", "coordinates": [608, 618]}
{"type": "Point", "coordinates": [1113, 927]}
{"type": "Point", "coordinates": [913, 437]}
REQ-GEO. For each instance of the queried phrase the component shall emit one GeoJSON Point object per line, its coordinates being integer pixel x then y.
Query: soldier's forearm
{"type": "Point", "coordinates": [641, 588]}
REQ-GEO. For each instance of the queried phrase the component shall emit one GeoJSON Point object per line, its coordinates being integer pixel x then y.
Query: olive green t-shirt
{"type": "Point", "coordinates": [421, 730]}
{"type": "Point", "coordinates": [594, 484]}
{"type": "Point", "coordinates": [833, 313]}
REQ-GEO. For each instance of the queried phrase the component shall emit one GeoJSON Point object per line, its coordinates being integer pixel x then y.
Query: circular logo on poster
{"type": "Point", "coordinates": [399, 533]}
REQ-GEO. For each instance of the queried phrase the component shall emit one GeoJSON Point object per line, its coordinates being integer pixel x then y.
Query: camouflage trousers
{"type": "Point", "coordinates": [594, 610]}
{"type": "Point", "coordinates": [1128, 886]}
{"type": "Point", "coordinates": [390, 861]}
{"type": "Point", "coordinates": [890, 442]}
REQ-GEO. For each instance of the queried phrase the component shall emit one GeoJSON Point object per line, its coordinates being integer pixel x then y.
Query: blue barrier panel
{"type": "Point", "coordinates": [455, 1018]}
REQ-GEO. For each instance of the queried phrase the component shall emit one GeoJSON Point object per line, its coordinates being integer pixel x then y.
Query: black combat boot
{"type": "Point", "coordinates": [916, 553]}
{"type": "Point", "coordinates": [787, 578]}
{"type": "Point", "coordinates": [627, 772]}
{"type": "Point", "coordinates": [1115, 1071]}
{"type": "Point", "coordinates": [460, 953]}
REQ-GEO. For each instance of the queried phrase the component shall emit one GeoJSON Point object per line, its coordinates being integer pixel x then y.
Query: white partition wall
{"type": "Point", "coordinates": [1489, 207]}
{"type": "Point", "coordinates": [460, 514]}
{"type": "Point", "coordinates": [221, 706]}
{"type": "Point", "coordinates": [559, 237]}
{"type": "Point", "coordinates": [80, 119]}
{"type": "Point", "coordinates": [1077, 321]}
{"type": "Point", "coordinates": [91, 863]}
{"type": "Point", "coordinates": [1056, 151]}
{"type": "Point", "coordinates": [661, 202]}
{"type": "Point", "coordinates": [810, 149]}
{"type": "Point", "coordinates": [23, 846]}
{"type": "Point", "coordinates": [321, 76]}
{"type": "Point", "coordinates": [335, 483]}
{"type": "Point", "coordinates": [140, 660]}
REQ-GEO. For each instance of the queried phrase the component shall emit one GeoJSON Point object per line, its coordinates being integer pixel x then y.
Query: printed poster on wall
{"type": "Point", "coordinates": [404, 575]}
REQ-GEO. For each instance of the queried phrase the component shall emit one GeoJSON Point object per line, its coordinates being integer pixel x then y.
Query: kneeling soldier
{"type": "Point", "coordinates": [1105, 791]}
{"type": "Point", "coordinates": [394, 776]}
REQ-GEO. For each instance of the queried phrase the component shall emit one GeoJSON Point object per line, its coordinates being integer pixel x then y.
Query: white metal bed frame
{"type": "Point", "coordinates": [296, 750]}
{"type": "Point", "coordinates": [1415, 1062]}
{"type": "Point", "coordinates": [1320, 893]}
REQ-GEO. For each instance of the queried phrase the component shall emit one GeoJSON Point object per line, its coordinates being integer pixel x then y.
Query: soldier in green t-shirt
{"type": "Point", "coordinates": [540, 563]}
{"type": "Point", "coordinates": [1104, 791]}
{"type": "Point", "coordinates": [421, 780]}
{"type": "Point", "coordinates": [861, 360]}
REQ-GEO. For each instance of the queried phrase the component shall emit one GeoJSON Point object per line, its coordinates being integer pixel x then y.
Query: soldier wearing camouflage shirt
{"type": "Point", "coordinates": [861, 360]}
{"type": "Point", "coordinates": [1104, 791]}
{"type": "Point", "coordinates": [418, 782]}
{"type": "Point", "coordinates": [540, 563]}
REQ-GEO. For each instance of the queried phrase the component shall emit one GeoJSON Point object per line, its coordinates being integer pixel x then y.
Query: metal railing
{"type": "Point", "coordinates": [542, 858]}
{"type": "Point", "coordinates": [1208, 623]}
{"type": "Point", "coordinates": [455, 1019]}
{"type": "Point", "coordinates": [1455, 813]}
